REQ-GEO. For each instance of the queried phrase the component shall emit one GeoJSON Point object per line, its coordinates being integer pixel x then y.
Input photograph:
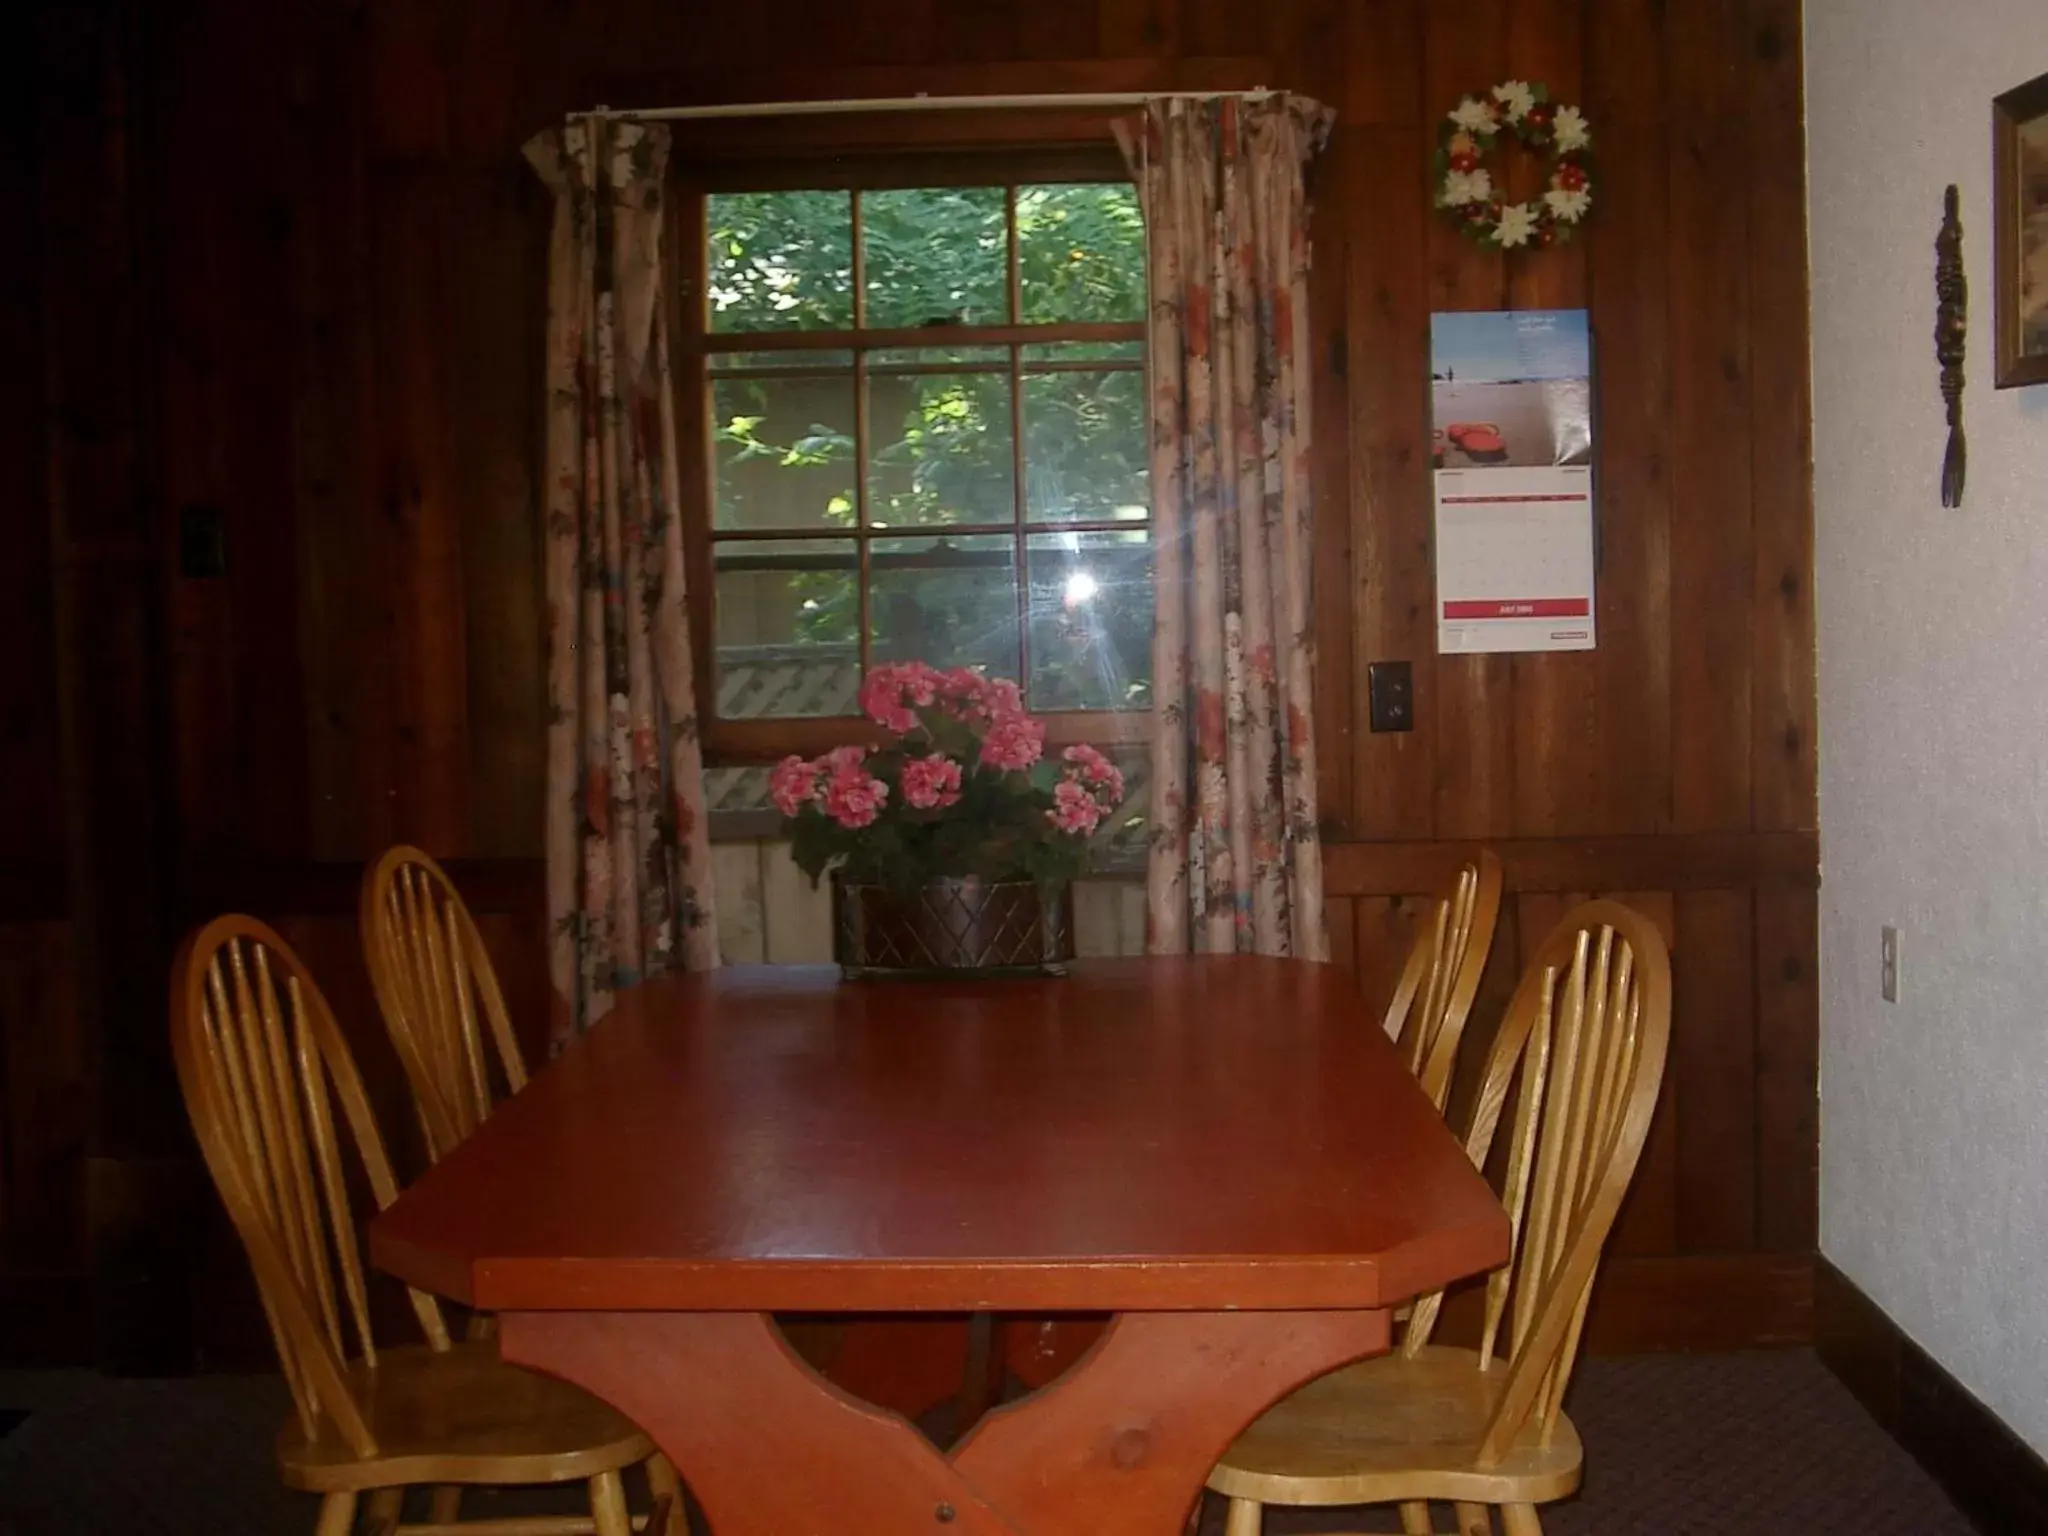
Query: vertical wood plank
{"type": "Point", "coordinates": [1648, 1223]}
{"type": "Point", "coordinates": [1783, 767]}
{"type": "Point", "coordinates": [796, 917]}
{"type": "Point", "coordinates": [1465, 50]}
{"type": "Point", "coordinates": [1387, 376]}
{"type": "Point", "coordinates": [1066, 30]}
{"type": "Point", "coordinates": [430, 782]}
{"type": "Point", "coordinates": [1497, 984]}
{"type": "Point", "coordinates": [1711, 531]}
{"type": "Point", "coordinates": [344, 576]}
{"type": "Point", "coordinates": [1382, 65]}
{"type": "Point", "coordinates": [496, 385]}
{"type": "Point", "coordinates": [1556, 739]}
{"type": "Point", "coordinates": [1139, 29]}
{"type": "Point", "coordinates": [1309, 44]}
{"type": "Point", "coordinates": [1222, 28]}
{"type": "Point", "coordinates": [1329, 184]}
{"type": "Point", "coordinates": [43, 1088]}
{"type": "Point", "coordinates": [1788, 1071]}
{"type": "Point", "coordinates": [1713, 1056]}
{"type": "Point", "coordinates": [1629, 289]}
{"type": "Point", "coordinates": [1384, 930]}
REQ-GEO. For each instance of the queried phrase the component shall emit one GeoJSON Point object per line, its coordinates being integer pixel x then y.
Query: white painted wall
{"type": "Point", "coordinates": [1933, 654]}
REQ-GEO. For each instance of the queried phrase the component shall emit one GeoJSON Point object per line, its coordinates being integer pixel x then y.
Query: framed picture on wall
{"type": "Point", "coordinates": [2019, 181]}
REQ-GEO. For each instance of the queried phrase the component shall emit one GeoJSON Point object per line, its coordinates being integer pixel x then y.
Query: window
{"type": "Point", "coordinates": [920, 395]}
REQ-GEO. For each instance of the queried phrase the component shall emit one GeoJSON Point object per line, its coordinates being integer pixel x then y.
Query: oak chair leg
{"type": "Point", "coordinates": [608, 1505]}
{"type": "Point", "coordinates": [1246, 1518]}
{"type": "Point", "coordinates": [446, 1506]}
{"type": "Point", "coordinates": [1520, 1520]}
{"type": "Point", "coordinates": [1476, 1520]}
{"type": "Point", "coordinates": [337, 1515]}
{"type": "Point", "coordinates": [1415, 1518]}
{"type": "Point", "coordinates": [662, 1480]}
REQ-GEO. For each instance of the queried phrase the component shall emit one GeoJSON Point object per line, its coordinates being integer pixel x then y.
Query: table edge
{"type": "Point", "coordinates": [1198, 1283]}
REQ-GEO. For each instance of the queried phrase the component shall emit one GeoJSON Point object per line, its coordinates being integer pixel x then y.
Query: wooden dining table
{"type": "Point", "coordinates": [1224, 1152]}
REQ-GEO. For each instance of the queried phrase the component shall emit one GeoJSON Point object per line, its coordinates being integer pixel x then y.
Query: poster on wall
{"type": "Point", "coordinates": [1512, 416]}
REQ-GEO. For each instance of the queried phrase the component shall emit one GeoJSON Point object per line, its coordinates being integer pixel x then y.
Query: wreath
{"type": "Point", "coordinates": [1465, 187]}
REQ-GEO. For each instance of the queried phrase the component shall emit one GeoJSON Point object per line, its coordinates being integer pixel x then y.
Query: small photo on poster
{"type": "Point", "coordinates": [1511, 387]}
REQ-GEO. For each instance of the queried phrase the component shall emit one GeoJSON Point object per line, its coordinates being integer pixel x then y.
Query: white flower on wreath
{"type": "Point", "coordinates": [1570, 127]}
{"type": "Point", "coordinates": [1568, 207]}
{"type": "Point", "coordinates": [1475, 116]}
{"type": "Point", "coordinates": [1517, 225]}
{"type": "Point", "coordinates": [1462, 187]}
{"type": "Point", "coordinates": [1515, 99]}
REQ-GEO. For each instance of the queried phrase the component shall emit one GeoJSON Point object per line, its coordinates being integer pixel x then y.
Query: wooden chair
{"type": "Point", "coordinates": [1433, 999]}
{"type": "Point", "coordinates": [1578, 1061]}
{"type": "Point", "coordinates": [433, 978]}
{"type": "Point", "coordinates": [263, 1067]}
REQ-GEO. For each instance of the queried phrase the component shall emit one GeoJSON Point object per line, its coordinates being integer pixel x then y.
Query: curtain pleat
{"type": "Point", "coordinates": [1235, 861]}
{"type": "Point", "coordinates": [628, 861]}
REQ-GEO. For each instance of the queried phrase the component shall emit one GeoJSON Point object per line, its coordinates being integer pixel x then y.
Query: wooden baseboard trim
{"type": "Point", "coordinates": [1993, 1476]}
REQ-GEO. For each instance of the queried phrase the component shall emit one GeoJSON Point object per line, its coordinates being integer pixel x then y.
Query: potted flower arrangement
{"type": "Point", "coordinates": [953, 846]}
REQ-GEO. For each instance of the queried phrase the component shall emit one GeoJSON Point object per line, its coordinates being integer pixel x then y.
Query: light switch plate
{"type": "Point", "coordinates": [1390, 695]}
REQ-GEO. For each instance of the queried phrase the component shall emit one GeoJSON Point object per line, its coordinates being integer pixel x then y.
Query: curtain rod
{"type": "Point", "coordinates": [918, 103]}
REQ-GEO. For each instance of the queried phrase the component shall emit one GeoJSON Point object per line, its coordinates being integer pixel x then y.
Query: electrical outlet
{"type": "Point", "coordinates": [1888, 963]}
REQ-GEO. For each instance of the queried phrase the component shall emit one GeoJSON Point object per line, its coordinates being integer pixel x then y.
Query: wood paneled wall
{"type": "Point", "coordinates": [344, 270]}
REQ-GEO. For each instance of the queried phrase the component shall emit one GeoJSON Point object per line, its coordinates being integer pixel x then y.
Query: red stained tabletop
{"type": "Point", "coordinates": [1201, 1133]}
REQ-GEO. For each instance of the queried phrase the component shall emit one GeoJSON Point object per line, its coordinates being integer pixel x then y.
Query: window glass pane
{"type": "Point", "coordinates": [1091, 620]}
{"type": "Point", "coordinates": [782, 452]}
{"type": "Point", "coordinates": [1080, 252]}
{"type": "Point", "coordinates": [949, 601]}
{"type": "Point", "coordinates": [940, 449]}
{"type": "Point", "coordinates": [935, 256]}
{"type": "Point", "coordinates": [788, 627]}
{"type": "Point", "coordinates": [769, 362]}
{"type": "Point", "coordinates": [1085, 352]}
{"type": "Point", "coordinates": [736, 789]}
{"type": "Point", "coordinates": [780, 261]}
{"type": "Point", "coordinates": [1084, 447]}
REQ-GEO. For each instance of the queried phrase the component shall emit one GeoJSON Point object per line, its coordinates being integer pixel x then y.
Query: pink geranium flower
{"type": "Point", "coordinates": [1074, 809]}
{"type": "Point", "coordinates": [793, 784]}
{"type": "Point", "coordinates": [881, 700]}
{"type": "Point", "coordinates": [931, 782]}
{"type": "Point", "coordinates": [854, 799]}
{"type": "Point", "coordinates": [920, 683]}
{"type": "Point", "coordinates": [1005, 698]}
{"type": "Point", "coordinates": [1096, 771]}
{"type": "Point", "coordinates": [1013, 742]}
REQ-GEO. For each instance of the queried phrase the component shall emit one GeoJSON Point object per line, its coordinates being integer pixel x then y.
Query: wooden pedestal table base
{"type": "Point", "coordinates": [1122, 1442]}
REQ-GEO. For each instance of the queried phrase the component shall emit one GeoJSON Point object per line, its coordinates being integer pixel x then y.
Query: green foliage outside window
{"type": "Point", "coordinates": [940, 444]}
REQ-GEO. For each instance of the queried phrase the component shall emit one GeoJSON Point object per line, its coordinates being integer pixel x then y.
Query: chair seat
{"type": "Point", "coordinates": [463, 1416]}
{"type": "Point", "coordinates": [1392, 1429]}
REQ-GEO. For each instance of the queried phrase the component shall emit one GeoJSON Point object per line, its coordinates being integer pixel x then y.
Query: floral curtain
{"type": "Point", "coordinates": [629, 865]}
{"type": "Point", "coordinates": [1235, 862]}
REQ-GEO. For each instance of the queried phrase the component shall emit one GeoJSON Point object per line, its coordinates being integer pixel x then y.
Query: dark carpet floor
{"type": "Point", "coordinates": [1758, 1444]}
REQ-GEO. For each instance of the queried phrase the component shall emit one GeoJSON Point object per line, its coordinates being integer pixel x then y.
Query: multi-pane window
{"type": "Point", "coordinates": [923, 419]}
